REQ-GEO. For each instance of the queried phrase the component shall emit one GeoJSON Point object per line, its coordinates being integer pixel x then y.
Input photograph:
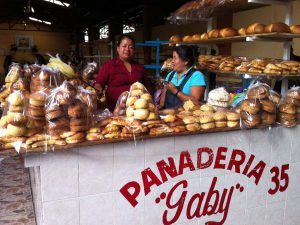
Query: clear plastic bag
{"type": "Point", "coordinates": [45, 78]}
{"type": "Point", "coordinates": [120, 109]}
{"type": "Point", "coordinates": [289, 108]}
{"type": "Point", "coordinates": [257, 108]}
{"type": "Point", "coordinates": [90, 72]}
{"type": "Point", "coordinates": [218, 98]}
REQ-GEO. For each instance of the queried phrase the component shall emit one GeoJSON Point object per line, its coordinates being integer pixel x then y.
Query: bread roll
{"type": "Point", "coordinates": [251, 106]}
{"type": "Point", "coordinates": [187, 38]}
{"type": "Point", "coordinates": [233, 123]}
{"type": "Point", "coordinates": [256, 28]}
{"type": "Point", "coordinates": [228, 32]}
{"type": "Point", "coordinates": [16, 98]}
{"type": "Point", "coordinates": [207, 126]}
{"type": "Point", "coordinates": [268, 118]}
{"type": "Point", "coordinates": [277, 27]}
{"type": "Point", "coordinates": [141, 114]}
{"type": "Point", "coordinates": [15, 131]}
{"type": "Point", "coordinates": [242, 31]}
{"type": "Point", "coordinates": [233, 116]}
{"type": "Point", "coordinates": [214, 33]}
{"type": "Point", "coordinates": [295, 29]}
{"type": "Point", "coordinates": [221, 124]}
{"type": "Point", "coordinates": [220, 116]}
{"type": "Point", "coordinates": [268, 106]}
{"type": "Point", "coordinates": [287, 108]}
{"type": "Point", "coordinates": [175, 39]}
{"type": "Point", "coordinates": [193, 127]}
{"type": "Point", "coordinates": [140, 104]}
{"type": "Point", "coordinates": [196, 37]}
{"type": "Point", "coordinates": [204, 36]}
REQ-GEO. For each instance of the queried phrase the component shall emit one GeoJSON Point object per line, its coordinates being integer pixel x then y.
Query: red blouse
{"type": "Point", "coordinates": [118, 79]}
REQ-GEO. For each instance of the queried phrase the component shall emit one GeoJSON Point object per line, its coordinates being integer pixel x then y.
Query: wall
{"type": "Point", "coordinates": [51, 42]}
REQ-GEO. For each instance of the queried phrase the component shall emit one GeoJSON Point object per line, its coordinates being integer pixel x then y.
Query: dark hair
{"type": "Point", "coordinates": [124, 36]}
{"type": "Point", "coordinates": [185, 53]}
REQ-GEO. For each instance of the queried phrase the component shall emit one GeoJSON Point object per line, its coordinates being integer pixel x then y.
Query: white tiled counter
{"type": "Point", "coordinates": [82, 186]}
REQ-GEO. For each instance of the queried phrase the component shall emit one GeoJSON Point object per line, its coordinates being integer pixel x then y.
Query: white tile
{"type": "Point", "coordinates": [154, 211]}
{"type": "Point", "coordinates": [213, 139]}
{"type": "Point", "coordinates": [236, 217]}
{"type": "Point", "coordinates": [238, 200]}
{"type": "Point", "coordinates": [96, 209]}
{"type": "Point", "coordinates": [124, 213]}
{"type": "Point", "coordinates": [239, 140]}
{"type": "Point", "coordinates": [211, 171]}
{"type": "Point", "coordinates": [131, 148]}
{"type": "Point", "coordinates": [256, 216]}
{"type": "Point", "coordinates": [64, 212]}
{"type": "Point", "coordinates": [292, 212]}
{"type": "Point", "coordinates": [183, 143]}
{"type": "Point", "coordinates": [261, 141]}
{"type": "Point", "coordinates": [295, 145]}
{"type": "Point", "coordinates": [275, 213]}
{"type": "Point", "coordinates": [257, 194]}
{"type": "Point", "coordinates": [96, 170]}
{"type": "Point", "coordinates": [159, 146]}
{"type": "Point", "coordinates": [188, 223]}
{"type": "Point", "coordinates": [59, 175]}
{"type": "Point", "coordinates": [293, 190]}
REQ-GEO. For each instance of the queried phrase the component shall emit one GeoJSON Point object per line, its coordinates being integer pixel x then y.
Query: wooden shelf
{"type": "Point", "coordinates": [282, 37]}
{"type": "Point", "coordinates": [266, 75]}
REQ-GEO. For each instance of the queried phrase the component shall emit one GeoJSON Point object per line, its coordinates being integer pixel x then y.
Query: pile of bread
{"type": "Point", "coordinates": [256, 28]}
{"type": "Point", "coordinates": [289, 108]}
{"type": "Point", "coordinates": [246, 65]}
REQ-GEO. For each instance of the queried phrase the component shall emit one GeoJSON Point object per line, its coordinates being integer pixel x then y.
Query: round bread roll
{"type": "Point", "coordinates": [288, 123]}
{"type": "Point", "coordinates": [58, 124]}
{"type": "Point", "coordinates": [242, 31]}
{"type": "Point", "coordinates": [251, 106]}
{"type": "Point", "coordinates": [169, 118]}
{"type": "Point", "coordinates": [214, 33]}
{"type": "Point", "coordinates": [141, 114]}
{"type": "Point", "coordinates": [250, 120]}
{"type": "Point", "coordinates": [130, 101]}
{"type": "Point", "coordinates": [167, 112]}
{"type": "Point", "coordinates": [277, 27]}
{"type": "Point", "coordinates": [76, 138]}
{"type": "Point", "coordinates": [286, 116]}
{"type": "Point", "coordinates": [207, 126]}
{"type": "Point", "coordinates": [94, 136]}
{"type": "Point", "coordinates": [228, 32]}
{"type": "Point", "coordinates": [17, 119]}
{"type": "Point", "coordinates": [206, 119]}
{"type": "Point", "coordinates": [77, 111]}
{"type": "Point", "coordinates": [141, 104]}
{"type": "Point", "coordinates": [36, 102]}
{"type": "Point", "coordinates": [36, 112]}
{"type": "Point", "coordinates": [136, 93]}
{"type": "Point", "coordinates": [268, 118]}
{"type": "Point", "coordinates": [294, 94]}
{"type": "Point", "coordinates": [187, 38]}
{"type": "Point", "coordinates": [152, 116]}
{"type": "Point", "coordinates": [256, 28]}
{"type": "Point", "coordinates": [129, 111]}
{"type": "Point", "coordinates": [260, 92]}
{"type": "Point", "coordinates": [275, 97]}
{"type": "Point", "coordinates": [233, 116]}
{"type": "Point", "coordinates": [287, 108]}
{"type": "Point", "coordinates": [196, 37]}
{"type": "Point", "coordinates": [15, 131]}
{"type": "Point", "coordinates": [221, 124]}
{"type": "Point", "coordinates": [175, 39]}
{"type": "Point", "coordinates": [54, 114]}
{"type": "Point", "coordinates": [220, 116]}
{"type": "Point", "coordinates": [206, 107]}
{"type": "Point", "coordinates": [295, 29]}
{"type": "Point", "coordinates": [293, 101]}
{"type": "Point", "coordinates": [147, 97]}
{"type": "Point", "coordinates": [193, 127]}
{"type": "Point", "coordinates": [268, 106]}
{"type": "Point", "coordinates": [190, 119]}
{"type": "Point", "coordinates": [15, 108]}
{"type": "Point", "coordinates": [204, 36]}
{"type": "Point", "coordinates": [79, 128]}
{"type": "Point", "coordinates": [233, 123]}
{"type": "Point", "coordinates": [16, 98]}
{"type": "Point", "coordinates": [137, 85]}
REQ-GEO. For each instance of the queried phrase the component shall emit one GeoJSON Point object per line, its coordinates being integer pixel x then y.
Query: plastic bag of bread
{"type": "Point", "coordinates": [139, 104]}
{"type": "Point", "coordinates": [120, 109]}
{"type": "Point", "coordinates": [257, 108]}
{"type": "Point", "coordinates": [13, 122]}
{"type": "Point", "coordinates": [15, 72]}
{"type": "Point", "coordinates": [289, 108]}
{"type": "Point", "coordinates": [90, 71]}
{"type": "Point", "coordinates": [218, 98]}
{"type": "Point", "coordinates": [45, 78]}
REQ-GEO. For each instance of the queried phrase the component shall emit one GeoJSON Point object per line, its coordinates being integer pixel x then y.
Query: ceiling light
{"type": "Point", "coordinates": [61, 3]}
{"type": "Point", "coordinates": [40, 21]}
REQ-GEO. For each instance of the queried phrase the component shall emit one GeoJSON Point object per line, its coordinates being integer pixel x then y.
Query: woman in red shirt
{"type": "Point", "coordinates": [119, 73]}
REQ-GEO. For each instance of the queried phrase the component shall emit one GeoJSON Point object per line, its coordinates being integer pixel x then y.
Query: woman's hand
{"type": "Point", "coordinates": [171, 87]}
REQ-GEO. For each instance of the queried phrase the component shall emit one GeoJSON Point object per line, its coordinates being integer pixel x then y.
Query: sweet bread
{"type": "Point", "coordinates": [250, 120]}
{"type": "Point", "coordinates": [175, 39]}
{"type": "Point", "coordinates": [259, 92]}
{"type": "Point", "coordinates": [268, 118]}
{"type": "Point", "coordinates": [256, 28]}
{"type": "Point", "coordinates": [277, 27]}
{"type": "Point", "coordinates": [141, 114]}
{"type": "Point", "coordinates": [268, 106]}
{"type": "Point", "coordinates": [77, 111]}
{"type": "Point", "coordinates": [228, 32]}
{"type": "Point", "coordinates": [287, 108]}
{"type": "Point", "coordinates": [54, 114]}
{"type": "Point", "coordinates": [15, 131]}
{"type": "Point", "coordinates": [16, 98]}
{"type": "Point", "coordinates": [79, 128]}
{"type": "Point", "coordinates": [233, 123]}
{"type": "Point", "coordinates": [251, 106]}
{"type": "Point", "coordinates": [58, 124]}
{"type": "Point", "coordinates": [295, 29]}
{"type": "Point", "coordinates": [214, 33]}
{"type": "Point", "coordinates": [192, 127]}
{"type": "Point", "coordinates": [17, 119]}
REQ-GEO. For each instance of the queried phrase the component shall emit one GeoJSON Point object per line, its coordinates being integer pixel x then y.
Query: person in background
{"type": "Point", "coordinates": [120, 73]}
{"type": "Point", "coordinates": [184, 82]}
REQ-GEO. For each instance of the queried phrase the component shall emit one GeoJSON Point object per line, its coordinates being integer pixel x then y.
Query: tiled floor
{"type": "Point", "coordinates": [16, 207]}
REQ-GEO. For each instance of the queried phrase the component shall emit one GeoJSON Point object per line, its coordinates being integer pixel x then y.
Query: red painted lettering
{"type": "Point", "coordinates": [221, 155]}
{"type": "Point", "coordinates": [149, 179]}
{"type": "Point", "coordinates": [164, 168]}
{"type": "Point", "coordinates": [131, 197]}
{"type": "Point", "coordinates": [257, 171]}
{"type": "Point", "coordinates": [185, 156]}
{"type": "Point", "coordinates": [203, 165]}
{"type": "Point", "coordinates": [249, 163]}
{"type": "Point", "coordinates": [236, 162]}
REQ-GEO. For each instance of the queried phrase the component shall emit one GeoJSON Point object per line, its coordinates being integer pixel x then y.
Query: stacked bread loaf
{"type": "Point", "coordinates": [257, 108]}
{"type": "Point", "coordinates": [289, 108]}
{"type": "Point", "coordinates": [140, 103]}
{"type": "Point", "coordinates": [45, 78]}
{"type": "Point", "coordinates": [218, 98]}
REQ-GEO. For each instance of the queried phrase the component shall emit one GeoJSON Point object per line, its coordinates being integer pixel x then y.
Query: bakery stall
{"type": "Point", "coordinates": [210, 163]}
